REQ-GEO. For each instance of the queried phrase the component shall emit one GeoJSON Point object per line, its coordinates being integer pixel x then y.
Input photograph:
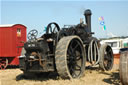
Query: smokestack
{"type": "Point", "coordinates": [87, 15]}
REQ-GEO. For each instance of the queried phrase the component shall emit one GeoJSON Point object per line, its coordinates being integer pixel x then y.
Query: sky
{"type": "Point", "coordinates": [37, 14]}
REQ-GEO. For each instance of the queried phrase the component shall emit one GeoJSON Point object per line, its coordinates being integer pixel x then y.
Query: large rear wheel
{"type": "Point", "coordinates": [70, 57]}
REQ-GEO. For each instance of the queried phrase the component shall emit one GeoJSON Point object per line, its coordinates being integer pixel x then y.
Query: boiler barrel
{"type": "Point", "coordinates": [124, 67]}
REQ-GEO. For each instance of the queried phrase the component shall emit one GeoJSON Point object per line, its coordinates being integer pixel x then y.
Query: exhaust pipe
{"type": "Point", "coordinates": [87, 15]}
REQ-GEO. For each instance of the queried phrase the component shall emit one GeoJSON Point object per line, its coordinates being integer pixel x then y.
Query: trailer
{"type": "Point", "coordinates": [12, 38]}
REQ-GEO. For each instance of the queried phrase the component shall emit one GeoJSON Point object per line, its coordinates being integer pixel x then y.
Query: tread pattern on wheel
{"type": "Point", "coordinates": [60, 56]}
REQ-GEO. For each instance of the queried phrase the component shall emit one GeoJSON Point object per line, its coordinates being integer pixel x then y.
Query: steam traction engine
{"type": "Point", "coordinates": [65, 50]}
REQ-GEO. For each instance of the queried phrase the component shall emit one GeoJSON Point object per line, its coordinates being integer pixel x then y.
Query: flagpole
{"type": "Point", "coordinates": [106, 33]}
{"type": "Point", "coordinates": [105, 30]}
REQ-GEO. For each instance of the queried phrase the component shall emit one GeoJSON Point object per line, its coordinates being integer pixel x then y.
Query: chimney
{"type": "Point", "coordinates": [87, 15]}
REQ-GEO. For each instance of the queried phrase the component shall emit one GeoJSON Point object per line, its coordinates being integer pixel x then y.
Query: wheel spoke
{"type": "Point", "coordinates": [78, 66]}
{"type": "Point", "coordinates": [77, 69]}
{"type": "Point", "coordinates": [71, 69]}
{"type": "Point", "coordinates": [31, 32]}
{"type": "Point", "coordinates": [69, 52]}
{"type": "Point", "coordinates": [78, 58]}
{"type": "Point", "coordinates": [54, 29]}
{"type": "Point", "coordinates": [106, 57]}
{"type": "Point", "coordinates": [50, 29]}
{"type": "Point", "coordinates": [109, 51]}
{"type": "Point", "coordinates": [74, 74]}
{"type": "Point", "coordinates": [76, 46]}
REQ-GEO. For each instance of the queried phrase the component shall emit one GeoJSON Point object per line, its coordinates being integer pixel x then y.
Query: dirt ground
{"type": "Point", "coordinates": [93, 76]}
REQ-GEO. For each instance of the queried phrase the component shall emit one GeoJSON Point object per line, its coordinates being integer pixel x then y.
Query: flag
{"type": "Point", "coordinates": [102, 22]}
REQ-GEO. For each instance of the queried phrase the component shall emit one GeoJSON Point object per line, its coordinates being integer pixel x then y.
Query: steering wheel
{"type": "Point", "coordinates": [52, 28]}
{"type": "Point", "coordinates": [32, 34]}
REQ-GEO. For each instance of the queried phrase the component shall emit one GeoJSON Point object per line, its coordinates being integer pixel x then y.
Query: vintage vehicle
{"type": "Point", "coordinates": [65, 51]}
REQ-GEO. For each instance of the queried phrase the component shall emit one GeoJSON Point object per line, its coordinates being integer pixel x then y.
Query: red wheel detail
{"type": "Point", "coordinates": [4, 64]}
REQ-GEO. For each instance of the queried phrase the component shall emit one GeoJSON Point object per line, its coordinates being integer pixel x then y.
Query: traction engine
{"type": "Point", "coordinates": [65, 51]}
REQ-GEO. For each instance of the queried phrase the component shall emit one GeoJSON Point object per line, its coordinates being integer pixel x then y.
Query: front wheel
{"type": "Point", "coordinates": [106, 57]}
